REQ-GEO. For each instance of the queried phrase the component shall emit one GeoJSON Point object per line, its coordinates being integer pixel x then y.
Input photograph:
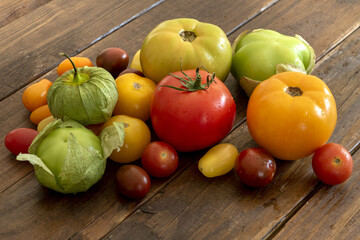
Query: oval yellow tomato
{"type": "Point", "coordinates": [43, 123]}
{"type": "Point", "coordinates": [219, 160]}
{"type": "Point", "coordinates": [291, 114]}
{"type": "Point", "coordinates": [135, 93]}
{"type": "Point", "coordinates": [135, 63]}
{"type": "Point", "coordinates": [137, 137]}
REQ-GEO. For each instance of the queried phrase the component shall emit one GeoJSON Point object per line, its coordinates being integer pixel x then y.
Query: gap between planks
{"type": "Point", "coordinates": [127, 21]}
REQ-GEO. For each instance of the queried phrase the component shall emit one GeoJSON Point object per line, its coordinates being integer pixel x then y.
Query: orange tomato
{"type": "Point", "coordinates": [34, 95]}
{"type": "Point", "coordinates": [78, 61]}
{"type": "Point", "coordinates": [39, 114]}
{"type": "Point", "coordinates": [291, 114]}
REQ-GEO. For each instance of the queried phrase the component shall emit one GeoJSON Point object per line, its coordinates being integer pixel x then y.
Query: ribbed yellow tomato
{"type": "Point", "coordinates": [135, 93]}
{"type": "Point", "coordinates": [291, 114]}
{"type": "Point", "coordinates": [137, 137]}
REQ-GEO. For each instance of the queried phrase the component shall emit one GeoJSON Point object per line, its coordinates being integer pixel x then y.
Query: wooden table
{"type": "Point", "coordinates": [186, 205]}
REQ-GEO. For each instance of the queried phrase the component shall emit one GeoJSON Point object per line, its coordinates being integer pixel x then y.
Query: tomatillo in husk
{"type": "Point", "coordinates": [261, 53]}
{"type": "Point", "coordinates": [69, 158]}
{"type": "Point", "coordinates": [87, 95]}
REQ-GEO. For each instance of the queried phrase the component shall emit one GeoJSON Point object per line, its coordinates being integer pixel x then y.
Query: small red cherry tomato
{"type": "Point", "coordinates": [19, 140]}
{"type": "Point", "coordinates": [132, 181]}
{"type": "Point", "coordinates": [159, 159]}
{"type": "Point", "coordinates": [255, 167]}
{"type": "Point", "coordinates": [332, 164]}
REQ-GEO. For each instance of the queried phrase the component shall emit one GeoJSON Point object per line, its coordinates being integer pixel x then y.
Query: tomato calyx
{"type": "Point", "coordinates": [294, 91]}
{"type": "Point", "coordinates": [193, 84]}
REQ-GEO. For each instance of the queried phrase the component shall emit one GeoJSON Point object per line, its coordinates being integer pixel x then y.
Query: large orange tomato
{"type": "Point", "coordinates": [291, 114]}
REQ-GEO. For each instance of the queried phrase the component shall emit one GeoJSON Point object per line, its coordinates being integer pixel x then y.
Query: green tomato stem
{"type": "Point", "coordinates": [76, 74]}
{"type": "Point", "coordinates": [192, 84]}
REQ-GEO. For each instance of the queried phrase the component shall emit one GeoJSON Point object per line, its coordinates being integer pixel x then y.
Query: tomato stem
{"type": "Point", "coordinates": [192, 84]}
{"type": "Point", "coordinates": [76, 77]}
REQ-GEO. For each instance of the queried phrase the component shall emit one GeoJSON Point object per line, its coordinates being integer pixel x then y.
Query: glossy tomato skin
{"type": "Point", "coordinates": [114, 60]}
{"type": "Point", "coordinates": [185, 43]}
{"type": "Point", "coordinates": [255, 167]}
{"type": "Point", "coordinates": [332, 164]}
{"type": "Point", "coordinates": [19, 140]}
{"type": "Point", "coordinates": [291, 114]}
{"type": "Point", "coordinates": [132, 181]}
{"type": "Point", "coordinates": [191, 121]}
{"type": "Point", "coordinates": [159, 159]}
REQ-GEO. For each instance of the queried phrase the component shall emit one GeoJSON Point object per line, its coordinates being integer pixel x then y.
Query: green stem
{"type": "Point", "coordinates": [76, 75]}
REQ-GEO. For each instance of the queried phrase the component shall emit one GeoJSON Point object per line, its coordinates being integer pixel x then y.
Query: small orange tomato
{"type": "Point", "coordinates": [78, 61]}
{"type": "Point", "coordinates": [291, 114]}
{"type": "Point", "coordinates": [135, 93]}
{"type": "Point", "coordinates": [39, 114]}
{"type": "Point", "coordinates": [34, 95]}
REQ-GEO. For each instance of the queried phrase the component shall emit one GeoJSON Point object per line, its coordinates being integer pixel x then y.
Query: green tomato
{"type": "Point", "coordinates": [262, 53]}
{"type": "Point", "coordinates": [185, 43]}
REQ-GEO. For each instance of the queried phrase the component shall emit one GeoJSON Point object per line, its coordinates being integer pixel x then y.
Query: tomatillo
{"type": "Point", "coordinates": [261, 53]}
{"type": "Point", "coordinates": [69, 158]}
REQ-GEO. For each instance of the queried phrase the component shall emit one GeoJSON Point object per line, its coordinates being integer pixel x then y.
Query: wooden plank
{"type": "Point", "coordinates": [194, 207]}
{"type": "Point", "coordinates": [106, 207]}
{"type": "Point", "coordinates": [11, 10]}
{"type": "Point", "coordinates": [333, 212]}
{"type": "Point", "coordinates": [33, 42]}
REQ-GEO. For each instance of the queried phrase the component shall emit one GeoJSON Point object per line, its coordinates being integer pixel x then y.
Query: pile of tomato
{"type": "Point", "coordinates": [192, 109]}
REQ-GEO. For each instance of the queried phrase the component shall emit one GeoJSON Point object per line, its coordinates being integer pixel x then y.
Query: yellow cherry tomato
{"type": "Point", "coordinates": [43, 123]}
{"type": "Point", "coordinates": [137, 137]}
{"type": "Point", "coordinates": [135, 63]}
{"type": "Point", "coordinates": [135, 93]}
{"type": "Point", "coordinates": [291, 114]}
{"type": "Point", "coordinates": [219, 160]}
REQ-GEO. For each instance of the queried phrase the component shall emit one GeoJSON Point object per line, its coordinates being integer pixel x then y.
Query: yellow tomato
{"type": "Point", "coordinates": [291, 114]}
{"type": "Point", "coordinates": [219, 160]}
{"type": "Point", "coordinates": [137, 137]}
{"type": "Point", "coordinates": [43, 123]}
{"type": "Point", "coordinates": [135, 63]}
{"type": "Point", "coordinates": [135, 93]}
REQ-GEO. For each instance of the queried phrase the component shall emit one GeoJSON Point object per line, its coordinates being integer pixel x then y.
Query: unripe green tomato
{"type": "Point", "coordinates": [219, 160]}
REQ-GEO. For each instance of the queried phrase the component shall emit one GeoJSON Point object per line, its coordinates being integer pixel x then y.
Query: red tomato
{"type": "Point", "coordinates": [19, 140]}
{"type": "Point", "coordinates": [332, 164]}
{"type": "Point", "coordinates": [159, 159]}
{"type": "Point", "coordinates": [132, 181]}
{"type": "Point", "coordinates": [195, 119]}
{"type": "Point", "coordinates": [255, 167]}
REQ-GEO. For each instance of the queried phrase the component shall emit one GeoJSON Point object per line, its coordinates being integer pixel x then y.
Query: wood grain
{"type": "Point", "coordinates": [10, 10]}
{"type": "Point", "coordinates": [33, 42]}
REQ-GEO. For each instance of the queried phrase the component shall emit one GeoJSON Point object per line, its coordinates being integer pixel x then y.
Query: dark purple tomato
{"type": "Point", "coordinates": [114, 60]}
{"type": "Point", "coordinates": [132, 181]}
{"type": "Point", "coordinates": [255, 167]}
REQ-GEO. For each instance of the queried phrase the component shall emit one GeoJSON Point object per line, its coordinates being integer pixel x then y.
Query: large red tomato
{"type": "Point", "coordinates": [198, 113]}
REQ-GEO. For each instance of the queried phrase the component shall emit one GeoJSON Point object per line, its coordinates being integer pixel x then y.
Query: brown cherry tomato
{"type": "Point", "coordinates": [132, 181]}
{"type": "Point", "coordinates": [132, 70]}
{"type": "Point", "coordinates": [114, 60]}
{"type": "Point", "coordinates": [255, 167]}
